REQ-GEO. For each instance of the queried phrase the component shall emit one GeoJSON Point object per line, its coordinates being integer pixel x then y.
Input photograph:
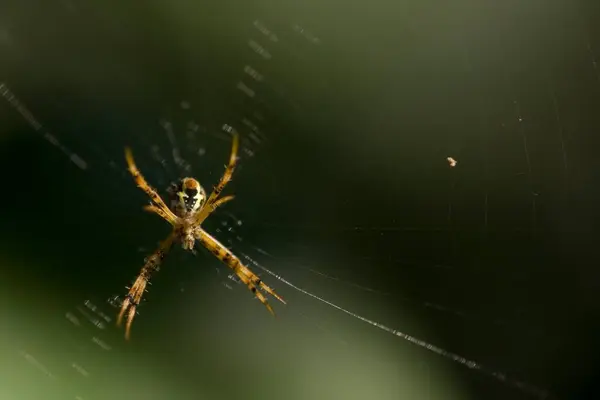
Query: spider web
{"type": "Point", "coordinates": [184, 148]}
{"type": "Point", "coordinates": [169, 162]}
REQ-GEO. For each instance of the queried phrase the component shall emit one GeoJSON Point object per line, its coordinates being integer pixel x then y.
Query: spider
{"type": "Point", "coordinates": [189, 209]}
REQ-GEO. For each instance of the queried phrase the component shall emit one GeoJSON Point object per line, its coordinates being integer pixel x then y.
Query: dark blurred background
{"type": "Point", "coordinates": [347, 112]}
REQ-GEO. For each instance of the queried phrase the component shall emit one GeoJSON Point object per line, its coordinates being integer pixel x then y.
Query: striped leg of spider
{"type": "Point", "coordinates": [151, 192]}
{"type": "Point", "coordinates": [209, 206]}
{"type": "Point", "coordinates": [157, 210]}
{"type": "Point", "coordinates": [220, 202]}
{"type": "Point", "coordinates": [136, 291]}
{"type": "Point", "coordinates": [251, 280]}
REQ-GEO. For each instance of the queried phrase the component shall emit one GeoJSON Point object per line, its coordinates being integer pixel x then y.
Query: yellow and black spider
{"type": "Point", "coordinates": [189, 208]}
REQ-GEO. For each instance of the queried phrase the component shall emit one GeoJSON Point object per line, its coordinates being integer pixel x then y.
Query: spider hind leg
{"type": "Point", "coordinates": [251, 280]}
{"type": "Point", "coordinates": [136, 292]}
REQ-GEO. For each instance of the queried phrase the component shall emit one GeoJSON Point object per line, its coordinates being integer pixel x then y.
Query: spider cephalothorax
{"type": "Point", "coordinates": [189, 208]}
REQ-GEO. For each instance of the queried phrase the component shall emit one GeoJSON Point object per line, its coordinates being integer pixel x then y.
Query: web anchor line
{"type": "Point", "coordinates": [10, 97]}
{"type": "Point", "coordinates": [499, 376]}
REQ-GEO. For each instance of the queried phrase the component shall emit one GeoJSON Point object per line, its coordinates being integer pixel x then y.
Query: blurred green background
{"type": "Point", "coordinates": [348, 195]}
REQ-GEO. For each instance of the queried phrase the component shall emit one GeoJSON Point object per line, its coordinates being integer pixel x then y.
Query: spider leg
{"type": "Point", "coordinates": [251, 280]}
{"type": "Point", "coordinates": [157, 210]}
{"type": "Point", "coordinates": [220, 202]}
{"type": "Point", "coordinates": [209, 206]}
{"type": "Point", "coordinates": [133, 298]}
{"type": "Point", "coordinates": [142, 184]}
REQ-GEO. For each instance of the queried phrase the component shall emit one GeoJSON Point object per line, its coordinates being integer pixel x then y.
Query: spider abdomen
{"type": "Point", "coordinates": [187, 197]}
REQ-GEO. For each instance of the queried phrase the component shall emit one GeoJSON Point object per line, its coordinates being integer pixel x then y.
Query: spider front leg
{"type": "Point", "coordinates": [251, 280]}
{"type": "Point", "coordinates": [134, 297]}
{"type": "Point", "coordinates": [211, 203]}
{"type": "Point", "coordinates": [142, 184]}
